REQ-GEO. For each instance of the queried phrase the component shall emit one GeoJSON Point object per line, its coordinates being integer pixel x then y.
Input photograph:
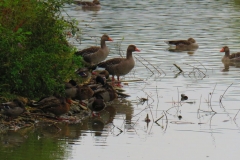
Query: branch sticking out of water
{"type": "Point", "coordinates": [236, 115]}
{"type": "Point", "coordinates": [166, 121]}
{"type": "Point", "coordinates": [159, 118]}
{"type": "Point", "coordinates": [180, 70]}
{"type": "Point", "coordinates": [150, 64]}
{"type": "Point", "coordinates": [211, 97]}
{"type": "Point", "coordinates": [196, 68]}
{"type": "Point", "coordinates": [145, 65]}
{"type": "Point", "coordinates": [220, 99]}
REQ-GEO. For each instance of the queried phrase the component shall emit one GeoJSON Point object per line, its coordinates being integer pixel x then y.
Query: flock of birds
{"type": "Point", "coordinates": [98, 91]}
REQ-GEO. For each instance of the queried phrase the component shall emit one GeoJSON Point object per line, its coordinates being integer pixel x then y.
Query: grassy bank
{"type": "Point", "coordinates": [35, 56]}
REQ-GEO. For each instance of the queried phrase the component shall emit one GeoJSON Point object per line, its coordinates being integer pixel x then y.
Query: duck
{"type": "Point", "coordinates": [229, 57]}
{"type": "Point", "coordinates": [102, 73]}
{"type": "Point", "coordinates": [94, 3]}
{"type": "Point", "coordinates": [120, 66]}
{"type": "Point", "coordinates": [89, 76]}
{"type": "Point", "coordinates": [54, 104]}
{"type": "Point", "coordinates": [79, 92]}
{"type": "Point", "coordinates": [13, 108]}
{"type": "Point", "coordinates": [105, 91]}
{"type": "Point", "coordinates": [96, 105]}
{"type": "Point", "coordinates": [183, 45]}
{"type": "Point", "coordinates": [83, 72]}
{"type": "Point", "coordinates": [94, 55]}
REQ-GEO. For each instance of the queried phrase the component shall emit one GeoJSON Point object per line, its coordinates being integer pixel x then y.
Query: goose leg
{"type": "Point", "coordinates": [118, 83]}
{"type": "Point", "coordinates": [113, 81]}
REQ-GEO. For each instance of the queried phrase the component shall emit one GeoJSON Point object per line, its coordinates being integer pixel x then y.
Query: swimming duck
{"type": "Point", "coordinates": [229, 57]}
{"type": "Point", "coordinates": [94, 3]}
{"type": "Point", "coordinates": [95, 54]}
{"type": "Point", "coordinates": [183, 45]}
{"type": "Point", "coordinates": [13, 109]}
{"type": "Point", "coordinates": [53, 104]}
{"type": "Point", "coordinates": [120, 66]}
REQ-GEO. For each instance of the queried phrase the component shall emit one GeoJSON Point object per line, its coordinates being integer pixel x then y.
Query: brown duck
{"type": "Point", "coordinates": [94, 3]}
{"type": "Point", "coordinates": [13, 109]}
{"type": "Point", "coordinates": [105, 91]}
{"type": "Point", "coordinates": [102, 73]}
{"type": "Point", "coordinates": [96, 105]}
{"type": "Point", "coordinates": [120, 66]}
{"type": "Point", "coordinates": [229, 57]}
{"type": "Point", "coordinates": [189, 44]}
{"type": "Point", "coordinates": [74, 91]}
{"type": "Point", "coordinates": [53, 104]}
{"type": "Point", "coordinates": [95, 54]}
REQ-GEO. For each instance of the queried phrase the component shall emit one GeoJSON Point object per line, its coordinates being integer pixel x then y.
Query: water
{"type": "Point", "coordinates": [121, 132]}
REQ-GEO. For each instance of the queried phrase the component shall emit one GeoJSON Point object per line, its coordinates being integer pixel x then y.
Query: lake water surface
{"type": "Point", "coordinates": [183, 129]}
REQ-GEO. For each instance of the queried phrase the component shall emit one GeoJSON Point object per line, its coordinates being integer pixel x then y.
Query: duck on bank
{"type": "Point", "coordinates": [13, 108]}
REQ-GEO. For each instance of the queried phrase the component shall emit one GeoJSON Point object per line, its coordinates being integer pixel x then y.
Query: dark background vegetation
{"type": "Point", "coordinates": [36, 58]}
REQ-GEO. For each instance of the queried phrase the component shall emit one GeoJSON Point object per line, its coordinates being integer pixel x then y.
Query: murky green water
{"type": "Point", "coordinates": [121, 132]}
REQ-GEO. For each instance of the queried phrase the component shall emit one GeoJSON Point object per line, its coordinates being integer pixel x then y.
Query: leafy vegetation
{"type": "Point", "coordinates": [35, 56]}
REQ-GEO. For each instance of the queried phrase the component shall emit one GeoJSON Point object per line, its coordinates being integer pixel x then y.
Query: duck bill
{"type": "Point", "coordinates": [138, 50]}
{"type": "Point", "coordinates": [110, 39]}
{"type": "Point", "coordinates": [222, 50]}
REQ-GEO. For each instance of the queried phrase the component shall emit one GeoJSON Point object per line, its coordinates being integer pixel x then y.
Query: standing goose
{"type": "Point", "coordinates": [120, 66]}
{"type": "Point", "coordinates": [229, 57]}
{"type": "Point", "coordinates": [95, 54]}
{"type": "Point", "coordinates": [183, 45]}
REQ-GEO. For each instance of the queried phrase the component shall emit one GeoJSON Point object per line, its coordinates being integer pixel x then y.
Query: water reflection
{"type": "Point", "coordinates": [233, 64]}
{"type": "Point", "coordinates": [121, 129]}
{"type": "Point", "coordinates": [170, 49]}
{"type": "Point", "coordinates": [27, 144]}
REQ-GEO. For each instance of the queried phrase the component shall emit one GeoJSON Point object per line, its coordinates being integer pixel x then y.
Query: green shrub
{"type": "Point", "coordinates": [35, 56]}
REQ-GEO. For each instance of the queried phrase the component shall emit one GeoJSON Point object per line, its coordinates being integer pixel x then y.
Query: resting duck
{"type": "Point", "coordinates": [102, 73]}
{"type": "Point", "coordinates": [74, 91]}
{"type": "Point", "coordinates": [94, 3]}
{"type": "Point", "coordinates": [96, 105]}
{"type": "Point", "coordinates": [105, 91]}
{"type": "Point", "coordinates": [83, 72]}
{"type": "Point", "coordinates": [183, 45]}
{"type": "Point", "coordinates": [120, 66]}
{"type": "Point", "coordinates": [228, 56]}
{"type": "Point", "coordinates": [95, 54]}
{"type": "Point", "coordinates": [13, 109]}
{"type": "Point", "coordinates": [53, 104]}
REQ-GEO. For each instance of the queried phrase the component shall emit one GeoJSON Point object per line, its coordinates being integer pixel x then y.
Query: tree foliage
{"type": "Point", "coordinates": [35, 56]}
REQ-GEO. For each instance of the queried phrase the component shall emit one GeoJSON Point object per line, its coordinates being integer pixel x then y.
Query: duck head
{"type": "Point", "coordinates": [191, 40]}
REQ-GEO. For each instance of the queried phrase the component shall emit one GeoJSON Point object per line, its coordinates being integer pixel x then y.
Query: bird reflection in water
{"type": "Point", "coordinates": [227, 65]}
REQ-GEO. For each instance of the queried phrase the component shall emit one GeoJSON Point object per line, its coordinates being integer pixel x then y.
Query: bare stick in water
{"type": "Point", "coordinates": [236, 115]}
{"type": "Point", "coordinates": [145, 65]}
{"type": "Point", "coordinates": [220, 100]}
{"type": "Point", "coordinates": [150, 64]}
{"type": "Point", "coordinates": [211, 97]}
{"type": "Point", "coordinates": [180, 70]}
{"type": "Point", "coordinates": [159, 118]}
